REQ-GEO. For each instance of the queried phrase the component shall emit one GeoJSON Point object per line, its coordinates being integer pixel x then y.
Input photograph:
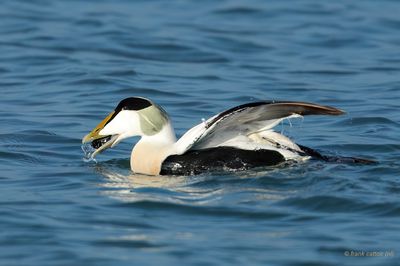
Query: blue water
{"type": "Point", "coordinates": [64, 65]}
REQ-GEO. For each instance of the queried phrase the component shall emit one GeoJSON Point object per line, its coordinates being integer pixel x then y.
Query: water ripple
{"type": "Point", "coordinates": [204, 211]}
{"type": "Point", "coordinates": [331, 204]}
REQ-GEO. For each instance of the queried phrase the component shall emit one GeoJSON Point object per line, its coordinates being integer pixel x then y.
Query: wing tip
{"type": "Point", "coordinates": [307, 108]}
{"type": "Point", "coordinates": [335, 111]}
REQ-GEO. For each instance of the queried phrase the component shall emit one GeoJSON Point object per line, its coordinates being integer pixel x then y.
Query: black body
{"type": "Point", "coordinates": [219, 159]}
{"type": "Point", "coordinates": [223, 159]}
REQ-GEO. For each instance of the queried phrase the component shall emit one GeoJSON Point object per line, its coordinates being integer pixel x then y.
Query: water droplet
{"type": "Point", "coordinates": [88, 152]}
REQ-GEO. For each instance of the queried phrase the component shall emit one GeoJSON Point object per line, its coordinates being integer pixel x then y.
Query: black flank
{"type": "Point", "coordinates": [219, 159]}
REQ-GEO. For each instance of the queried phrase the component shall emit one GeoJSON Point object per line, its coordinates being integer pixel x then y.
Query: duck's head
{"type": "Point", "coordinates": [134, 116]}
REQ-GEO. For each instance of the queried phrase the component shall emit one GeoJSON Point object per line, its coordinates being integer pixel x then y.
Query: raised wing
{"type": "Point", "coordinates": [246, 119]}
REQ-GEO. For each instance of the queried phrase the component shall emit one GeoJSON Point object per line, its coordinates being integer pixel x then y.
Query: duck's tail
{"type": "Point", "coordinates": [335, 159]}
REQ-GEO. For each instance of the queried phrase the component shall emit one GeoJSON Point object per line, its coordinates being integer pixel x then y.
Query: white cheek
{"type": "Point", "coordinates": [126, 122]}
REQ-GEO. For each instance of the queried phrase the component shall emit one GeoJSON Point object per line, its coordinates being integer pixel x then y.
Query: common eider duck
{"type": "Point", "coordinates": [240, 138]}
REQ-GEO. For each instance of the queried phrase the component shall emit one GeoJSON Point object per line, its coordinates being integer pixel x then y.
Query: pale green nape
{"type": "Point", "coordinates": [152, 119]}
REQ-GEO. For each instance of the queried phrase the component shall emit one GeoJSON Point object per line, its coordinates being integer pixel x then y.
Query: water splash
{"type": "Point", "coordinates": [88, 152]}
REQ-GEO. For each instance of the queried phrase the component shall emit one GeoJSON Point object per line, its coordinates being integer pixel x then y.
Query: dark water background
{"type": "Point", "coordinates": [64, 65]}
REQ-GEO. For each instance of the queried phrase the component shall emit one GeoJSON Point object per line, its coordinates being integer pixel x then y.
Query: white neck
{"type": "Point", "coordinates": [150, 151]}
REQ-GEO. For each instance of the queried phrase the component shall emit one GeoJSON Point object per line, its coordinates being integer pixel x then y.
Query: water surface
{"type": "Point", "coordinates": [64, 65]}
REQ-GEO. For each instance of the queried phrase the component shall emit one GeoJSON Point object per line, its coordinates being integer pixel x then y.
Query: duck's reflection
{"type": "Point", "coordinates": [132, 180]}
{"type": "Point", "coordinates": [123, 185]}
{"type": "Point", "coordinates": [127, 186]}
